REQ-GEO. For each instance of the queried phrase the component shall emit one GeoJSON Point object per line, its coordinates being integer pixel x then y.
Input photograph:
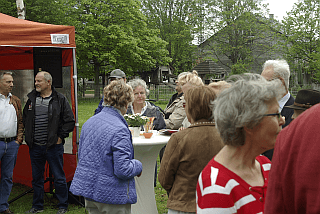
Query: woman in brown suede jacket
{"type": "Point", "coordinates": [188, 151]}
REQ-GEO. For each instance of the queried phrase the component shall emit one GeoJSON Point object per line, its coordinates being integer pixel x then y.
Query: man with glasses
{"type": "Point", "coordinates": [114, 75]}
{"type": "Point", "coordinates": [279, 69]}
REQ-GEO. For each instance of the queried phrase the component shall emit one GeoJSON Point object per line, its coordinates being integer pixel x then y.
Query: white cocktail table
{"type": "Point", "coordinates": [146, 151]}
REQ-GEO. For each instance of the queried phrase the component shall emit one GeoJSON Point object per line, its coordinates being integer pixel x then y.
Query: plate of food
{"type": "Point", "coordinates": [167, 131]}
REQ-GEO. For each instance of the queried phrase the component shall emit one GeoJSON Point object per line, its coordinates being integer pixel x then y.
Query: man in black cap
{"type": "Point", "coordinates": [306, 98]}
{"type": "Point", "coordinates": [117, 74]}
{"type": "Point", "coordinates": [114, 75]}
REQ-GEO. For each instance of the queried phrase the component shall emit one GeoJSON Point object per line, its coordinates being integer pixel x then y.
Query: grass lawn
{"type": "Point", "coordinates": [23, 204]}
{"type": "Point", "coordinates": [85, 111]}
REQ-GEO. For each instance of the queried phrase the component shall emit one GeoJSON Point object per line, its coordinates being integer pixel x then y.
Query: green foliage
{"type": "Point", "coordinates": [44, 11]}
{"type": "Point", "coordinates": [109, 34]}
{"type": "Point", "coordinates": [174, 21]}
{"type": "Point", "coordinates": [317, 64]}
{"type": "Point", "coordinates": [113, 34]}
{"type": "Point", "coordinates": [240, 68]}
{"type": "Point", "coordinates": [135, 120]}
{"type": "Point", "coordinates": [302, 30]}
{"type": "Point", "coordinates": [8, 7]}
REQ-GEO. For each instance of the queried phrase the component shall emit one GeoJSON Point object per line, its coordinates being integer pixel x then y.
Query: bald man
{"type": "Point", "coordinates": [48, 120]}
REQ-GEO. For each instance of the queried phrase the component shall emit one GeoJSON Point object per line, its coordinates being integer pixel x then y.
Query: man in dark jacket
{"type": "Point", "coordinates": [48, 120]}
{"type": "Point", "coordinates": [114, 75]}
{"type": "Point", "coordinates": [279, 69]}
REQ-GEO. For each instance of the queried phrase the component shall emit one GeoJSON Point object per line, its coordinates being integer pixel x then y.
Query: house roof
{"type": "Point", "coordinates": [209, 67]}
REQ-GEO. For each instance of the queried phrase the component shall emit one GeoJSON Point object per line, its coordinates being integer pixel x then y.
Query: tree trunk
{"type": "Point", "coordinates": [84, 88]}
{"type": "Point", "coordinates": [21, 9]}
{"type": "Point", "coordinates": [104, 79]}
{"type": "Point", "coordinates": [96, 81]}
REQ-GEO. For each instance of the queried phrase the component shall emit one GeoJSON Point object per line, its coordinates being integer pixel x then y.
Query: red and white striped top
{"type": "Point", "coordinates": [220, 191]}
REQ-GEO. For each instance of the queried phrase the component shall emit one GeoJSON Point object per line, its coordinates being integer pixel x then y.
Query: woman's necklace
{"type": "Point", "coordinates": [202, 123]}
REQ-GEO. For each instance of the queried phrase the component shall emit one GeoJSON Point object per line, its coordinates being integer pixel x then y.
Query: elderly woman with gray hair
{"type": "Point", "coordinates": [143, 107]}
{"type": "Point", "coordinates": [248, 119]}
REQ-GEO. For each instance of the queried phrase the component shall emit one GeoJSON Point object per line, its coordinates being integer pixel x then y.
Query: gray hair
{"type": "Point", "coordinates": [280, 69]}
{"type": "Point", "coordinates": [47, 76]}
{"type": "Point", "coordinates": [2, 73]}
{"type": "Point", "coordinates": [139, 82]}
{"type": "Point", "coordinates": [243, 105]}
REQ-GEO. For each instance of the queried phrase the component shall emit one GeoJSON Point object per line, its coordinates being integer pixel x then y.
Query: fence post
{"type": "Point", "coordinates": [158, 86]}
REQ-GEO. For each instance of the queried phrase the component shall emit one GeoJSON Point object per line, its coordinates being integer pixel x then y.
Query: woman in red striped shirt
{"type": "Point", "coordinates": [248, 120]}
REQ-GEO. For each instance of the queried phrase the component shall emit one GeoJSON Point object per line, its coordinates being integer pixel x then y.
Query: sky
{"type": "Point", "coordinates": [280, 7]}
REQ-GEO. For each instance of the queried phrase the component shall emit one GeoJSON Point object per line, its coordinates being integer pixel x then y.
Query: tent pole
{"type": "Point", "coordinates": [75, 79]}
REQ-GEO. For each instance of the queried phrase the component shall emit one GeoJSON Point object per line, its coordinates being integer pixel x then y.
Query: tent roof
{"type": "Point", "coordinates": [19, 32]}
{"type": "Point", "coordinates": [18, 37]}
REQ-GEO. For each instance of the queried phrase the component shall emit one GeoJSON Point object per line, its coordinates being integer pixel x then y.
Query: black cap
{"type": "Point", "coordinates": [306, 98]}
{"type": "Point", "coordinates": [117, 73]}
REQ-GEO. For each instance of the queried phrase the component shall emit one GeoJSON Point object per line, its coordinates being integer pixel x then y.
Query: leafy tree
{"type": "Point", "coordinates": [109, 34]}
{"type": "Point", "coordinates": [175, 20]}
{"type": "Point", "coordinates": [47, 11]}
{"type": "Point", "coordinates": [317, 63]}
{"type": "Point", "coordinates": [8, 7]}
{"type": "Point", "coordinates": [114, 34]}
{"type": "Point", "coordinates": [302, 30]}
{"type": "Point", "coordinates": [242, 36]}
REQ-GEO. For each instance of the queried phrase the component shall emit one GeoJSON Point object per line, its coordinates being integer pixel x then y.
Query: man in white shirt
{"type": "Point", "coordinates": [11, 136]}
{"type": "Point", "coordinates": [279, 69]}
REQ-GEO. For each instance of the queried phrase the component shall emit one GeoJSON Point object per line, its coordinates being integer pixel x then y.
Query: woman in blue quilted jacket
{"type": "Point", "coordinates": [106, 167]}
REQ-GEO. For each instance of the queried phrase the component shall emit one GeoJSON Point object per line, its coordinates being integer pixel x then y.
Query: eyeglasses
{"type": "Point", "coordinates": [275, 114]}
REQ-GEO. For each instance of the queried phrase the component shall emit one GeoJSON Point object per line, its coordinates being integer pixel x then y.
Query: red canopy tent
{"type": "Point", "coordinates": [18, 38]}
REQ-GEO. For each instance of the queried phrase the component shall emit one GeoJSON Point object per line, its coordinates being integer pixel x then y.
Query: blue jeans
{"type": "Point", "coordinates": [54, 155]}
{"type": "Point", "coordinates": [8, 157]}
